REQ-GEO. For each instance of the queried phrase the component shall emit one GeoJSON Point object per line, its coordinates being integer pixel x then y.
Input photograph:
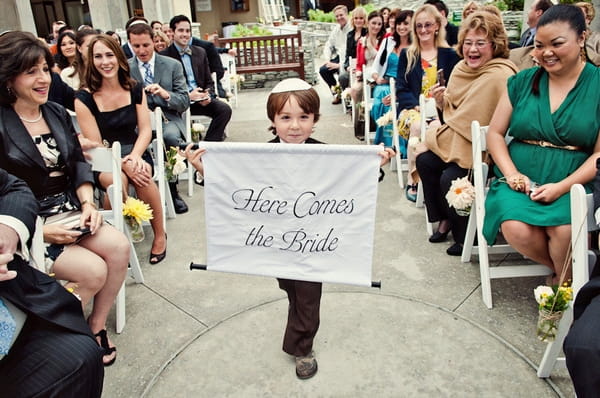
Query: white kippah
{"type": "Point", "coordinates": [292, 84]}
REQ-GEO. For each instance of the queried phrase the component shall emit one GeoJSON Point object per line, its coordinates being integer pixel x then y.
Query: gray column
{"type": "Point", "coordinates": [595, 25]}
{"type": "Point", "coordinates": [108, 14]}
{"type": "Point", "coordinates": [23, 19]}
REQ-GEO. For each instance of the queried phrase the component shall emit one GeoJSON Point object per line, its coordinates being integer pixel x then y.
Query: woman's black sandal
{"type": "Point", "coordinates": [105, 347]}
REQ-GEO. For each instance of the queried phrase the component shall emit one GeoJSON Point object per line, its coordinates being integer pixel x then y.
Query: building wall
{"type": "Point", "coordinates": [221, 12]}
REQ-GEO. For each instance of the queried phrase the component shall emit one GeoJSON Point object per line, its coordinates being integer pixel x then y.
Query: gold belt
{"type": "Point", "coordinates": [547, 144]}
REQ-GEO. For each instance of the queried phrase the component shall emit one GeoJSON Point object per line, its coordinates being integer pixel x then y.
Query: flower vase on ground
{"type": "Point", "coordinates": [547, 324]}
{"type": "Point", "coordinates": [135, 229]}
{"type": "Point", "coordinates": [196, 132]}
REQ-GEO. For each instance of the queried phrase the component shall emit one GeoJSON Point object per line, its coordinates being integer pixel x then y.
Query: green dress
{"type": "Point", "coordinates": [576, 122]}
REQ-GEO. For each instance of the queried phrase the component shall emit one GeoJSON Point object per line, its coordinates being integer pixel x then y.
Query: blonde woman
{"type": "Point", "coordinates": [419, 66]}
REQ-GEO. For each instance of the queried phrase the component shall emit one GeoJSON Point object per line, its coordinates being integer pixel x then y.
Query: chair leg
{"type": "Point", "coordinates": [121, 309]}
{"type": "Point", "coordinates": [484, 270]}
{"type": "Point", "coordinates": [169, 206]}
{"type": "Point", "coordinates": [553, 349]}
{"type": "Point", "coordinates": [469, 237]}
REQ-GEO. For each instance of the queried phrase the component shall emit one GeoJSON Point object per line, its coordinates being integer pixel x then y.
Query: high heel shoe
{"type": "Point", "coordinates": [157, 258]}
{"type": "Point", "coordinates": [107, 350]}
{"type": "Point", "coordinates": [438, 237]}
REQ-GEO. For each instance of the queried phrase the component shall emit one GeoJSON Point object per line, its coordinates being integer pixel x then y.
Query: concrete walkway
{"type": "Point", "coordinates": [426, 333]}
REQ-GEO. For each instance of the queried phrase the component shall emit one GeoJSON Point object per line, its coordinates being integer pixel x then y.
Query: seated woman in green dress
{"type": "Point", "coordinates": [552, 113]}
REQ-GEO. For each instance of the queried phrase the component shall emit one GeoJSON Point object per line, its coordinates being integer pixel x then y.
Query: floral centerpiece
{"type": "Point", "coordinates": [135, 212]}
{"type": "Point", "coordinates": [461, 195]}
{"type": "Point", "coordinates": [405, 119]}
{"type": "Point", "coordinates": [174, 164]}
{"type": "Point", "coordinates": [237, 80]}
{"type": "Point", "coordinates": [552, 302]}
{"type": "Point", "coordinates": [196, 131]}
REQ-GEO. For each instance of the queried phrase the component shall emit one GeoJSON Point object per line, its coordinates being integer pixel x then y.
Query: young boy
{"type": "Point", "coordinates": [293, 108]}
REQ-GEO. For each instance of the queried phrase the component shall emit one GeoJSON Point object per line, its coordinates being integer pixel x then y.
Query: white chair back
{"type": "Point", "coordinates": [401, 164]}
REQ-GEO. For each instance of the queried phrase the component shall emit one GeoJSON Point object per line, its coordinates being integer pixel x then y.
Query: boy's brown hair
{"type": "Point", "coordinates": [307, 99]}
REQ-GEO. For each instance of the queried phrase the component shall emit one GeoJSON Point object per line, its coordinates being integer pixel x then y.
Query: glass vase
{"type": "Point", "coordinates": [464, 212]}
{"type": "Point", "coordinates": [135, 229]}
{"type": "Point", "coordinates": [547, 325]}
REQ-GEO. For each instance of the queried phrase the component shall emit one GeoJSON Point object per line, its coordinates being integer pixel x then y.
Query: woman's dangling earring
{"type": "Point", "coordinates": [436, 32]}
{"type": "Point", "coordinates": [583, 54]}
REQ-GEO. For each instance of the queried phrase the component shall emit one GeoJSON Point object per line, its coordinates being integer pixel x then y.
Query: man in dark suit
{"type": "Point", "coordinates": [309, 5]}
{"type": "Point", "coordinates": [538, 7]}
{"type": "Point", "coordinates": [582, 344]}
{"type": "Point", "coordinates": [199, 81]}
{"type": "Point", "coordinates": [165, 87]}
{"type": "Point", "coordinates": [451, 30]}
{"type": "Point", "coordinates": [53, 351]}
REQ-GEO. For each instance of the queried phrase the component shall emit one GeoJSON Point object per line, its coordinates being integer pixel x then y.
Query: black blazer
{"type": "Point", "coordinates": [19, 155]}
{"type": "Point", "coordinates": [214, 59]}
{"type": "Point", "coordinates": [32, 291]}
{"type": "Point", "coordinates": [200, 66]}
{"type": "Point", "coordinates": [351, 46]}
{"type": "Point", "coordinates": [408, 88]}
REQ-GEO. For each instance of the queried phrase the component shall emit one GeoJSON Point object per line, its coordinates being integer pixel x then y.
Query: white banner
{"type": "Point", "coordinates": [304, 212]}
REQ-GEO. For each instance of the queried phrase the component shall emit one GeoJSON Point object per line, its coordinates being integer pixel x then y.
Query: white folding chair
{"type": "Point", "coordinates": [501, 271]}
{"type": "Point", "coordinates": [229, 65]}
{"type": "Point", "coordinates": [582, 221]}
{"type": "Point", "coordinates": [109, 160]}
{"type": "Point", "coordinates": [158, 149]}
{"type": "Point", "coordinates": [427, 109]}
{"type": "Point", "coordinates": [368, 104]}
{"type": "Point", "coordinates": [400, 164]}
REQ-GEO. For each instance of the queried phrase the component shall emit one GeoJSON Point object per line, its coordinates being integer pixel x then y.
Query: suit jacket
{"type": "Point", "coordinates": [32, 291]}
{"type": "Point", "coordinates": [60, 92]}
{"type": "Point", "coordinates": [451, 34]}
{"type": "Point", "coordinates": [526, 41]}
{"type": "Point", "coordinates": [127, 50]}
{"type": "Point", "coordinates": [200, 66]}
{"type": "Point", "coordinates": [168, 74]}
{"type": "Point", "coordinates": [214, 60]}
{"type": "Point", "coordinates": [408, 86]}
{"type": "Point", "coordinates": [20, 157]}
{"type": "Point", "coordinates": [308, 6]}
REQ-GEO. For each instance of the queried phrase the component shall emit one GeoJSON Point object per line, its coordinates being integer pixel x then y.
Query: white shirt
{"type": "Point", "coordinates": [337, 42]}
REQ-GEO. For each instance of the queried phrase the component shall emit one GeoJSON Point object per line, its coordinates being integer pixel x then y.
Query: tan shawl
{"type": "Point", "coordinates": [472, 94]}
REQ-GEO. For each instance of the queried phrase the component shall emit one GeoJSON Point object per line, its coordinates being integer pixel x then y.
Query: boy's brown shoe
{"type": "Point", "coordinates": [306, 366]}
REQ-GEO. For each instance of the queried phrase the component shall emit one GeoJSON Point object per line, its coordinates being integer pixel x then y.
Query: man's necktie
{"type": "Point", "coordinates": [148, 78]}
{"type": "Point", "coordinates": [187, 51]}
{"type": "Point", "coordinates": [7, 328]}
{"type": "Point", "coordinates": [526, 39]}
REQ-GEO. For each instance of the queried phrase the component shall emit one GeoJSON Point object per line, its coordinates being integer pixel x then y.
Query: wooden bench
{"type": "Point", "coordinates": [274, 53]}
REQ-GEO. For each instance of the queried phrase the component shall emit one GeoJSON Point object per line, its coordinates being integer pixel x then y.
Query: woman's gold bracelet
{"type": "Point", "coordinates": [87, 202]}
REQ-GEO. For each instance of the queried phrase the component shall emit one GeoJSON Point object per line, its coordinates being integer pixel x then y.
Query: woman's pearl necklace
{"type": "Point", "coordinates": [37, 119]}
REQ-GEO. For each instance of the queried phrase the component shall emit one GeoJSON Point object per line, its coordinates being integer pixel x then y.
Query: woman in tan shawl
{"type": "Point", "coordinates": [472, 93]}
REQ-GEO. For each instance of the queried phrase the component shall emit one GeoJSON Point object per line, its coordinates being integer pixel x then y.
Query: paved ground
{"type": "Point", "coordinates": [426, 333]}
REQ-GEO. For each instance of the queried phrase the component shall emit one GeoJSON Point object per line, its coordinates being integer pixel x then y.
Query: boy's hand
{"type": "Point", "coordinates": [386, 154]}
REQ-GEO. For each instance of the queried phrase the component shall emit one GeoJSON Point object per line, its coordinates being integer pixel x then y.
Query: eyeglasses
{"type": "Point", "coordinates": [427, 26]}
{"type": "Point", "coordinates": [478, 44]}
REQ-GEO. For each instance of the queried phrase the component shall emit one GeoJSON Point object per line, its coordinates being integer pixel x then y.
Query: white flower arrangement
{"type": "Point", "coordinates": [461, 195]}
{"type": "Point", "coordinates": [174, 164]}
{"type": "Point", "coordinates": [542, 294]}
{"type": "Point", "coordinates": [386, 119]}
{"type": "Point", "coordinates": [347, 93]}
{"type": "Point", "coordinates": [198, 128]}
{"type": "Point", "coordinates": [413, 142]}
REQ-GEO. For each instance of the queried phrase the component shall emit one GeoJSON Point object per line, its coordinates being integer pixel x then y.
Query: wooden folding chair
{"type": "Point", "coordinates": [582, 222]}
{"type": "Point", "coordinates": [501, 271]}
{"type": "Point", "coordinates": [109, 160]}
